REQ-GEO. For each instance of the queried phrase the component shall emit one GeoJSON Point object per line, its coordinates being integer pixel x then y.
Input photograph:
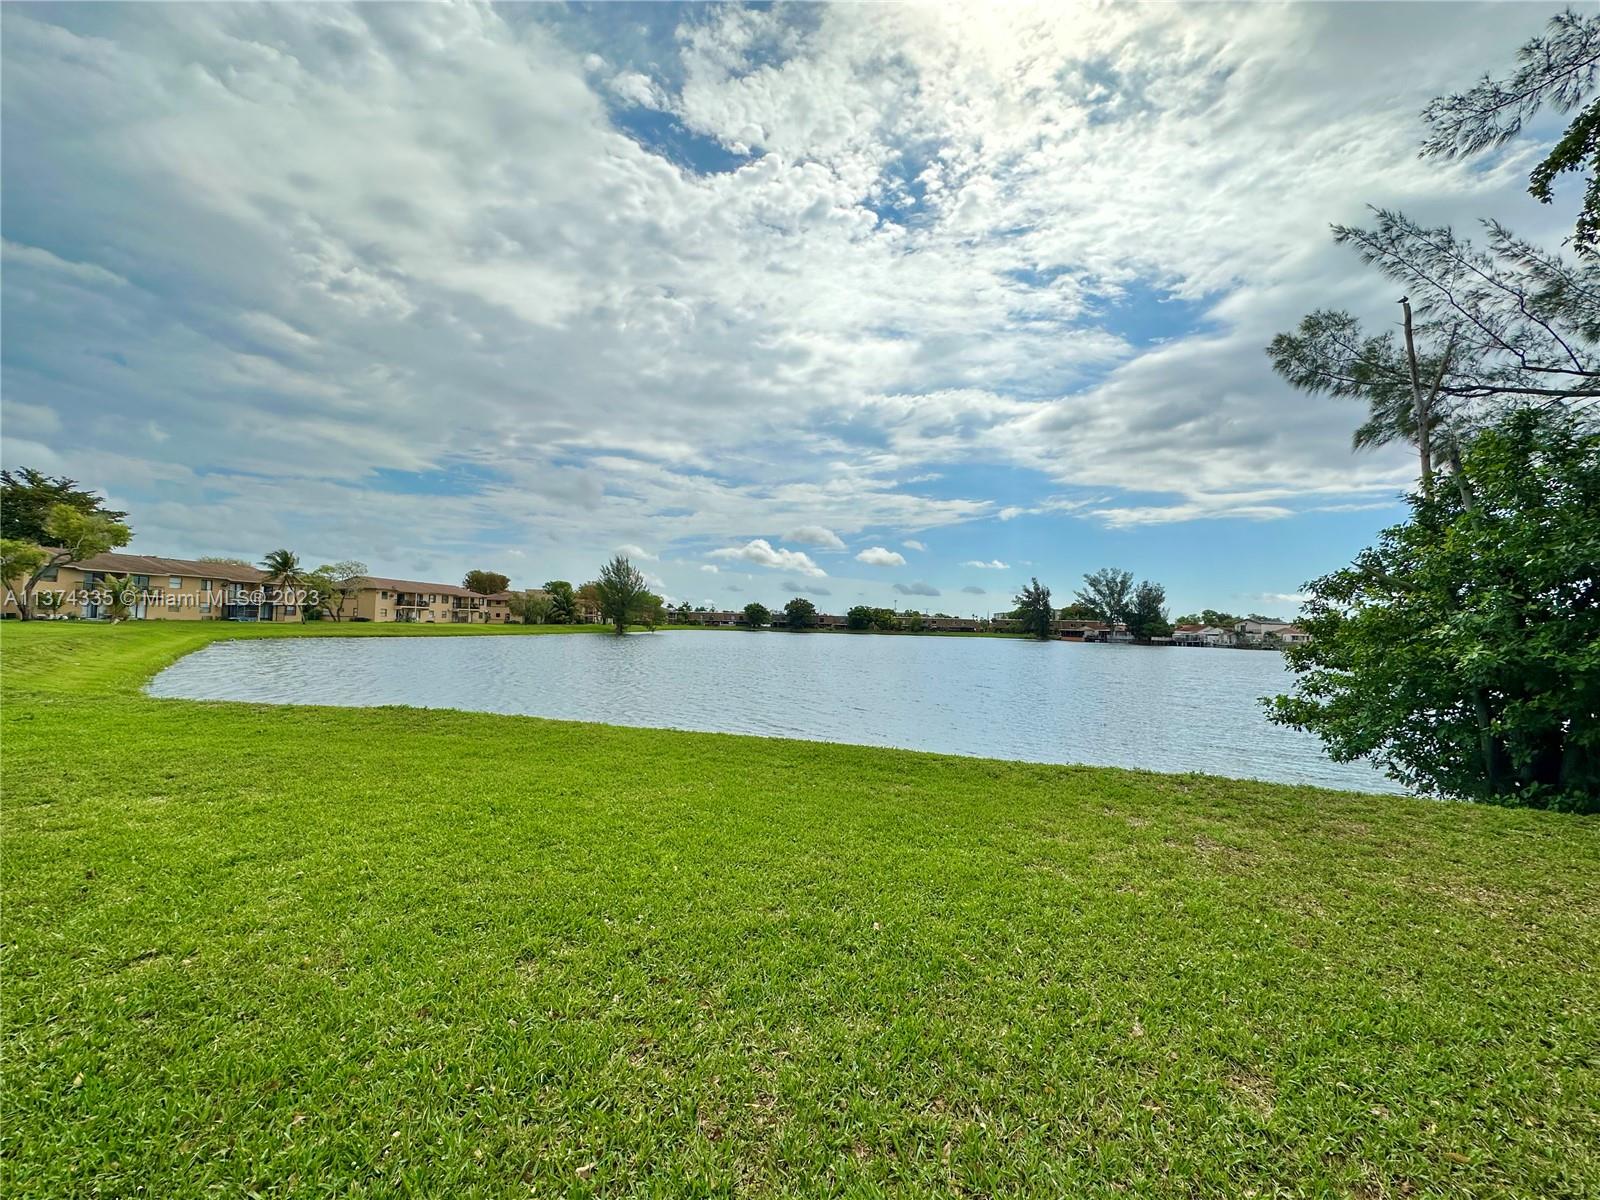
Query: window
{"type": "Point", "coordinates": [50, 574]}
{"type": "Point", "coordinates": [175, 581]}
{"type": "Point", "coordinates": [384, 612]}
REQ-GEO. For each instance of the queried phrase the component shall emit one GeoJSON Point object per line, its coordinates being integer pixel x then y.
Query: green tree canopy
{"type": "Point", "coordinates": [563, 602]}
{"type": "Point", "coordinates": [285, 573]}
{"type": "Point", "coordinates": [1034, 610]}
{"type": "Point", "coordinates": [1108, 593]}
{"type": "Point", "coordinates": [486, 583]}
{"type": "Point", "coordinates": [1462, 653]}
{"type": "Point", "coordinates": [1147, 614]}
{"type": "Point", "coordinates": [27, 498]}
{"type": "Point", "coordinates": [800, 613]}
{"type": "Point", "coordinates": [73, 535]}
{"type": "Point", "coordinates": [19, 558]}
{"type": "Point", "coordinates": [621, 593]}
{"type": "Point", "coordinates": [757, 615]}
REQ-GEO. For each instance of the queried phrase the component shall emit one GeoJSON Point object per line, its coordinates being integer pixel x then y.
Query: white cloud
{"type": "Point", "coordinates": [881, 556]}
{"type": "Point", "coordinates": [815, 535]}
{"type": "Point", "coordinates": [913, 544]}
{"type": "Point", "coordinates": [993, 565]}
{"type": "Point", "coordinates": [918, 588]}
{"type": "Point", "coordinates": [631, 551]}
{"type": "Point", "coordinates": [362, 256]}
{"type": "Point", "coordinates": [763, 553]}
{"type": "Point", "coordinates": [709, 568]}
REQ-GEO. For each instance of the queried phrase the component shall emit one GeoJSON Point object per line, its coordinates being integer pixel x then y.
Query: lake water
{"type": "Point", "coordinates": [1159, 708]}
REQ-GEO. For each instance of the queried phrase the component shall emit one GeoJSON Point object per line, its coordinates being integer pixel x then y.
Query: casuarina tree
{"type": "Point", "coordinates": [621, 593]}
{"type": "Point", "coordinates": [1033, 609]}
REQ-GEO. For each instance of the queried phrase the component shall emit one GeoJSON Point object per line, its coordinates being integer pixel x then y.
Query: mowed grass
{"type": "Point", "coordinates": [393, 952]}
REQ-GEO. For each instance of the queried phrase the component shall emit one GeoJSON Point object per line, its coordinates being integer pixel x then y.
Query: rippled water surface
{"type": "Point", "coordinates": [1160, 708]}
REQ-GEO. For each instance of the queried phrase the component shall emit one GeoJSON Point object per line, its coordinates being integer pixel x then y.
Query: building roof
{"type": "Point", "coordinates": [418, 585]}
{"type": "Point", "coordinates": [151, 564]}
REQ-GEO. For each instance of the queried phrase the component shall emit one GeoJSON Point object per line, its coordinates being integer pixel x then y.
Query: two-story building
{"type": "Point", "coordinates": [167, 589]}
{"type": "Point", "coordinates": [416, 601]}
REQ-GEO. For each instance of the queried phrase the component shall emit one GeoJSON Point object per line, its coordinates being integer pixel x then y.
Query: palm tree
{"type": "Point", "coordinates": [118, 591]}
{"type": "Point", "coordinates": [284, 573]}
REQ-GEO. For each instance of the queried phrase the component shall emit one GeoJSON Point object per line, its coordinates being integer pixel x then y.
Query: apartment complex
{"type": "Point", "coordinates": [411, 600]}
{"type": "Point", "coordinates": [182, 589]}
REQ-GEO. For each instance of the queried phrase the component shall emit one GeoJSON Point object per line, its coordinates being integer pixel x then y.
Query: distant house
{"type": "Point", "coordinates": [1202, 635]}
{"type": "Point", "coordinates": [1256, 632]}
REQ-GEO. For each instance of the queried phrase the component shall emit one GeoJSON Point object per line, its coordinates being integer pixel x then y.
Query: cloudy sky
{"type": "Point", "coordinates": [893, 304]}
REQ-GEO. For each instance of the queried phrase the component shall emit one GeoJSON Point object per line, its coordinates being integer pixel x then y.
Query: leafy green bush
{"type": "Point", "coordinates": [1462, 653]}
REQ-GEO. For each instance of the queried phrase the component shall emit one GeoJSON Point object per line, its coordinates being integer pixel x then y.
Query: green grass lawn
{"type": "Point", "coordinates": [394, 952]}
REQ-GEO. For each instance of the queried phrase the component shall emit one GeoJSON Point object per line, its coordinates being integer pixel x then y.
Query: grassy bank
{"type": "Point", "coordinates": [259, 950]}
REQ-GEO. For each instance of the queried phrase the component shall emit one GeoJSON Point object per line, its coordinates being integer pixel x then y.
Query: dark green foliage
{"type": "Point", "coordinates": [859, 617]}
{"type": "Point", "coordinates": [756, 615]}
{"type": "Point", "coordinates": [1147, 614]}
{"type": "Point", "coordinates": [563, 602]}
{"type": "Point", "coordinates": [800, 613]}
{"type": "Point", "coordinates": [1463, 652]}
{"type": "Point", "coordinates": [486, 583]}
{"type": "Point", "coordinates": [1033, 609]}
{"type": "Point", "coordinates": [623, 596]}
{"type": "Point", "coordinates": [1559, 70]}
{"type": "Point", "coordinates": [27, 497]}
{"type": "Point", "coordinates": [1108, 593]}
{"type": "Point", "coordinates": [1214, 617]}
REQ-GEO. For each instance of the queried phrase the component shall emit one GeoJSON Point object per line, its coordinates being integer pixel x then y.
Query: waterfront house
{"type": "Point", "coordinates": [1257, 632]}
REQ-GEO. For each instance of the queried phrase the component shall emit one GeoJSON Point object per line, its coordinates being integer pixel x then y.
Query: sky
{"type": "Point", "coordinates": [897, 305]}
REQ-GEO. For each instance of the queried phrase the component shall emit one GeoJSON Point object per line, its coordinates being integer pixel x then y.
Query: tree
{"type": "Point", "coordinates": [563, 602]}
{"type": "Point", "coordinates": [119, 596]}
{"type": "Point", "coordinates": [1498, 327]}
{"type": "Point", "coordinates": [74, 535]}
{"type": "Point", "coordinates": [486, 583]}
{"type": "Point", "coordinates": [1034, 611]}
{"type": "Point", "coordinates": [652, 611]}
{"type": "Point", "coordinates": [28, 497]}
{"type": "Point", "coordinates": [1459, 653]}
{"type": "Point", "coordinates": [620, 593]}
{"type": "Point", "coordinates": [19, 559]}
{"type": "Point", "coordinates": [757, 615]}
{"type": "Point", "coordinates": [587, 600]}
{"type": "Point", "coordinates": [283, 572]}
{"type": "Point", "coordinates": [335, 584]}
{"type": "Point", "coordinates": [1213, 617]}
{"type": "Point", "coordinates": [1559, 70]}
{"type": "Point", "coordinates": [532, 607]}
{"type": "Point", "coordinates": [1108, 593]}
{"type": "Point", "coordinates": [800, 613]}
{"type": "Point", "coordinates": [859, 617]}
{"type": "Point", "coordinates": [1147, 616]}
{"type": "Point", "coordinates": [912, 621]}
{"type": "Point", "coordinates": [1078, 612]}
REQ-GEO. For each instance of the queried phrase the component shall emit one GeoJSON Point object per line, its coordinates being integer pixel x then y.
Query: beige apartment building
{"type": "Point", "coordinates": [411, 600]}
{"type": "Point", "coordinates": [181, 589]}
{"type": "Point", "coordinates": [170, 589]}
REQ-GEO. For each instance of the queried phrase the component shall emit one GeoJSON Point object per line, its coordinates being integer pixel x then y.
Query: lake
{"type": "Point", "coordinates": [1158, 708]}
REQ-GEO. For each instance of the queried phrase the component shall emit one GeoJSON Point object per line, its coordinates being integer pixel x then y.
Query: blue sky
{"type": "Point", "coordinates": [840, 300]}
